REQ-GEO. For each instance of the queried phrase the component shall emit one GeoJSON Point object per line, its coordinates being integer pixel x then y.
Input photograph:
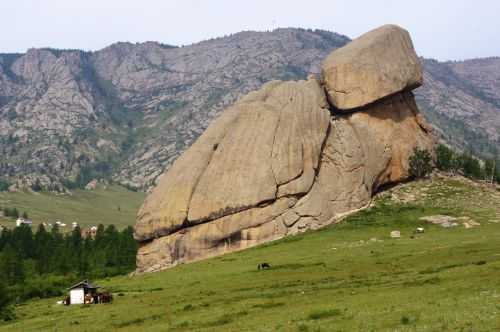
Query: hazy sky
{"type": "Point", "coordinates": [442, 29]}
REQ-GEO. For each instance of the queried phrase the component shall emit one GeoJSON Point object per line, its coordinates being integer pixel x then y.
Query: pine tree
{"type": "Point", "coordinates": [59, 261]}
{"type": "Point", "coordinates": [43, 245]}
{"type": "Point", "coordinates": [112, 242]}
{"type": "Point", "coordinates": [76, 240]}
{"type": "Point", "coordinates": [23, 242]}
{"type": "Point", "coordinates": [127, 249]}
{"type": "Point", "coordinates": [444, 158]}
{"type": "Point", "coordinates": [99, 240]}
{"type": "Point", "coordinates": [471, 167]}
{"type": "Point", "coordinates": [4, 238]}
{"type": "Point", "coordinates": [11, 266]}
{"type": "Point", "coordinates": [5, 312]}
{"type": "Point", "coordinates": [84, 265]}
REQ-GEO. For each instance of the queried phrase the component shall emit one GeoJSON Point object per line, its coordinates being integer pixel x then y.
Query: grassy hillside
{"type": "Point", "coordinates": [347, 277]}
{"type": "Point", "coordinates": [110, 205]}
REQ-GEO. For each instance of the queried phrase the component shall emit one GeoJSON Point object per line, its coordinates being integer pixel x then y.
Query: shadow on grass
{"type": "Point", "coordinates": [225, 319]}
{"type": "Point", "coordinates": [322, 314]}
{"type": "Point", "coordinates": [136, 321]}
{"type": "Point", "coordinates": [438, 269]}
{"type": "Point", "coordinates": [268, 305]}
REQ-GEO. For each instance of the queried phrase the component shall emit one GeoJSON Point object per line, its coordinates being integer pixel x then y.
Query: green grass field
{"type": "Point", "coordinates": [347, 277]}
{"type": "Point", "coordinates": [112, 205]}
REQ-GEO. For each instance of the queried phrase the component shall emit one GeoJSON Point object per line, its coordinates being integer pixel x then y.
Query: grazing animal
{"type": "Point", "coordinates": [106, 297]}
{"type": "Point", "coordinates": [263, 266]}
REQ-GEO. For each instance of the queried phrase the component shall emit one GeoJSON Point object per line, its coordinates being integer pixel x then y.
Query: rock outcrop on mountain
{"type": "Point", "coordinates": [284, 159]}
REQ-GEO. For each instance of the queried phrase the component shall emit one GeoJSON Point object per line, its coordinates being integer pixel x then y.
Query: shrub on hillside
{"type": "Point", "coordinates": [420, 163]}
{"type": "Point", "coordinates": [11, 212]}
{"type": "Point", "coordinates": [4, 185]}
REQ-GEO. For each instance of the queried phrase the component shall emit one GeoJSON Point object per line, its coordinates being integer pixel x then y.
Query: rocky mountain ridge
{"type": "Point", "coordinates": [126, 112]}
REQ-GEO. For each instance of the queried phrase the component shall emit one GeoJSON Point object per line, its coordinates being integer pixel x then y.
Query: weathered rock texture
{"type": "Point", "coordinates": [376, 65]}
{"type": "Point", "coordinates": [280, 161]}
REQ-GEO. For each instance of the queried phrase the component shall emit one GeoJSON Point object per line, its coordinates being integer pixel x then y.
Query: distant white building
{"type": "Point", "coordinates": [21, 221]}
{"type": "Point", "coordinates": [78, 292]}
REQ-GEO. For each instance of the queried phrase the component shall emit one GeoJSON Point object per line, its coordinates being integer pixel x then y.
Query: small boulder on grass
{"type": "Point", "coordinates": [395, 234]}
{"type": "Point", "coordinates": [441, 220]}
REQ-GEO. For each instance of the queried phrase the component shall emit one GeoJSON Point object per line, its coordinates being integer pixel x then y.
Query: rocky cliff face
{"type": "Point", "coordinates": [126, 112]}
{"type": "Point", "coordinates": [290, 157]}
{"type": "Point", "coordinates": [49, 113]}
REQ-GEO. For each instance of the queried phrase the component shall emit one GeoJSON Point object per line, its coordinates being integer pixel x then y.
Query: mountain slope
{"type": "Point", "coordinates": [134, 108]}
{"type": "Point", "coordinates": [127, 111]}
{"type": "Point", "coordinates": [462, 99]}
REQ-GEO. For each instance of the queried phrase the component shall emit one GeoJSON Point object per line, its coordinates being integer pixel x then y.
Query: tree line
{"type": "Point", "coordinates": [421, 164]}
{"type": "Point", "coordinates": [44, 263]}
{"type": "Point", "coordinates": [466, 164]}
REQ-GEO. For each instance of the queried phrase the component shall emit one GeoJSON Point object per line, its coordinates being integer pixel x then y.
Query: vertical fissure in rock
{"type": "Point", "coordinates": [276, 129]}
{"type": "Point", "coordinates": [322, 149]}
{"type": "Point", "coordinates": [212, 153]}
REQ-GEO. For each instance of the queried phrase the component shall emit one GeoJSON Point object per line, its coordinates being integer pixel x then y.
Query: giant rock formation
{"type": "Point", "coordinates": [290, 157]}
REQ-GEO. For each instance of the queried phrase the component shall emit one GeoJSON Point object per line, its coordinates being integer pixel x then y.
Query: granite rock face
{"type": "Point", "coordinates": [280, 161]}
{"type": "Point", "coordinates": [264, 147]}
{"type": "Point", "coordinates": [378, 64]}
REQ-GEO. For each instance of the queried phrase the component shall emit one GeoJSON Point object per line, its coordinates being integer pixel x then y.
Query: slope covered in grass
{"type": "Point", "coordinates": [347, 277]}
{"type": "Point", "coordinates": [110, 205]}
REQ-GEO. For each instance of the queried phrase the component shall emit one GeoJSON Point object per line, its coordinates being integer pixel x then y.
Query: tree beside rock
{"type": "Point", "coordinates": [421, 163]}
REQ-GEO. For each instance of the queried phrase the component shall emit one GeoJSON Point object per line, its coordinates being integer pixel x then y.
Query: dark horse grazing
{"type": "Point", "coordinates": [263, 266]}
{"type": "Point", "coordinates": [105, 297]}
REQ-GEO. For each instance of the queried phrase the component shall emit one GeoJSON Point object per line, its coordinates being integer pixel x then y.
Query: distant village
{"type": "Point", "coordinates": [85, 232]}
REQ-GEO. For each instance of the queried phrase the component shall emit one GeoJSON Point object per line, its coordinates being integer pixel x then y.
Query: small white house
{"type": "Point", "coordinates": [21, 221]}
{"type": "Point", "coordinates": [78, 292]}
